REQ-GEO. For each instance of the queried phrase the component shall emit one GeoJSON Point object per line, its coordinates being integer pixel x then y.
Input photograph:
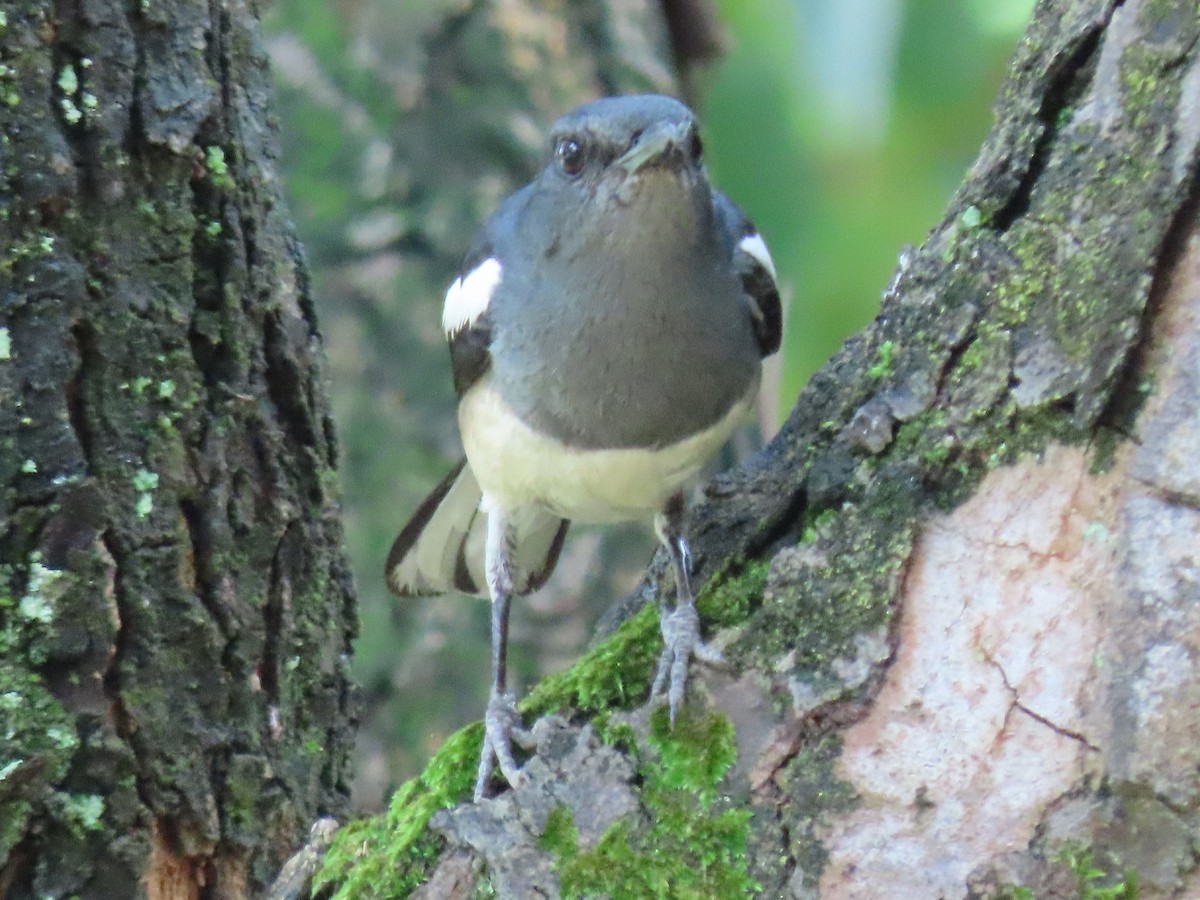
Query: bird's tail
{"type": "Point", "coordinates": [441, 548]}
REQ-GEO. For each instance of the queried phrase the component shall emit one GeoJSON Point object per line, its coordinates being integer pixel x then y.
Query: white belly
{"type": "Point", "coordinates": [516, 466]}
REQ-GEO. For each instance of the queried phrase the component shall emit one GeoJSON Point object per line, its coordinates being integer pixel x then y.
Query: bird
{"type": "Point", "coordinates": [606, 332]}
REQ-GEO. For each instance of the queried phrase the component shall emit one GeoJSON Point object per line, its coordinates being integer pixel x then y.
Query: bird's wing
{"type": "Point", "coordinates": [465, 318]}
{"type": "Point", "coordinates": [753, 264]}
{"type": "Point", "coordinates": [466, 315]}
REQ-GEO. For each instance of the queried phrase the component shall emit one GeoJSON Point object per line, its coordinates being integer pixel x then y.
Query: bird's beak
{"type": "Point", "coordinates": [653, 143]}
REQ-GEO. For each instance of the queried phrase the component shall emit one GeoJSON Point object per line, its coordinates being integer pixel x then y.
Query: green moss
{"type": "Point", "coordinates": [68, 81]}
{"type": "Point", "coordinates": [389, 855]}
{"type": "Point", "coordinates": [883, 362]}
{"type": "Point", "coordinates": [813, 524]}
{"type": "Point", "coordinates": [690, 847]}
{"type": "Point", "coordinates": [1094, 883]}
{"type": "Point", "coordinates": [728, 599]}
{"type": "Point", "coordinates": [218, 167]}
{"type": "Point", "coordinates": [613, 675]}
{"type": "Point", "coordinates": [693, 755]}
{"type": "Point", "coordinates": [813, 787]}
{"type": "Point", "coordinates": [971, 218]}
{"type": "Point", "coordinates": [1013, 892]}
{"type": "Point", "coordinates": [39, 735]}
{"type": "Point", "coordinates": [817, 609]}
{"type": "Point", "coordinates": [37, 244]}
{"type": "Point", "coordinates": [82, 812]}
{"type": "Point", "coordinates": [560, 837]}
{"type": "Point", "coordinates": [616, 674]}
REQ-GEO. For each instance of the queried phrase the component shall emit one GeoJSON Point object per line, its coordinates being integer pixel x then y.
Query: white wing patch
{"type": "Point", "coordinates": [468, 298]}
{"type": "Point", "coordinates": [755, 246]}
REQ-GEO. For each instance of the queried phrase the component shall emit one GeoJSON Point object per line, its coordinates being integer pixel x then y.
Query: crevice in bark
{"type": "Point", "coordinates": [953, 358]}
{"type": "Point", "coordinates": [1126, 398]}
{"type": "Point", "coordinates": [1020, 706]}
{"type": "Point", "coordinates": [89, 360]}
{"type": "Point", "coordinates": [211, 329]}
{"type": "Point", "coordinates": [1068, 77]}
{"type": "Point", "coordinates": [123, 723]}
{"type": "Point", "coordinates": [285, 387]}
{"type": "Point", "coordinates": [64, 54]}
{"type": "Point", "coordinates": [273, 613]}
{"type": "Point", "coordinates": [205, 579]}
{"type": "Point", "coordinates": [780, 529]}
{"type": "Point", "coordinates": [135, 143]}
{"type": "Point", "coordinates": [1170, 497]}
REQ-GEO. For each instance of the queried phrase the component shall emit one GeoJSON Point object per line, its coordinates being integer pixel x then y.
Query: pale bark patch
{"type": "Point", "coordinates": [979, 724]}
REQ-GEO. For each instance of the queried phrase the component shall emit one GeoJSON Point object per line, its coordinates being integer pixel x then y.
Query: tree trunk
{"type": "Point", "coordinates": [958, 591]}
{"type": "Point", "coordinates": [175, 608]}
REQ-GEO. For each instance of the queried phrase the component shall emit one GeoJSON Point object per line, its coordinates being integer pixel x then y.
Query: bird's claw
{"type": "Point", "coordinates": [681, 639]}
{"type": "Point", "coordinates": [501, 726]}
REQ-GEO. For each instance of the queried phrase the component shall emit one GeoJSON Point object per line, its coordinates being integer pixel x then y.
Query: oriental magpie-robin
{"type": "Point", "coordinates": [606, 333]}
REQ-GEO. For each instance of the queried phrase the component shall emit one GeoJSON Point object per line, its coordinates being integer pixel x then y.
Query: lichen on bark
{"type": "Point", "coordinates": [175, 604]}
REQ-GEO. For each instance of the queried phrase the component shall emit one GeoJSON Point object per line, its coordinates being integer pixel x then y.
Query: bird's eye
{"type": "Point", "coordinates": [570, 156]}
{"type": "Point", "coordinates": [695, 145]}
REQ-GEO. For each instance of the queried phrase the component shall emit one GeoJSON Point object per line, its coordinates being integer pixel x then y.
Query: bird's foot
{"type": "Point", "coordinates": [501, 726]}
{"type": "Point", "coordinates": [681, 637]}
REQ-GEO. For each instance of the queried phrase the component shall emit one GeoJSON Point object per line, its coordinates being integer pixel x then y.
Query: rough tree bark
{"type": "Point", "coordinates": [175, 609]}
{"type": "Point", "coordinates": [959, 591]}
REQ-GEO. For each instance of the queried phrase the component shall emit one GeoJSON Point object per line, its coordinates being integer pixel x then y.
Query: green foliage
{"type": "Point", "coordinates": [836, 204]}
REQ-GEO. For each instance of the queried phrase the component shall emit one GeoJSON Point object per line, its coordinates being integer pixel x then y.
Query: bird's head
{"type": "Point", "coordinates": [625, 154]}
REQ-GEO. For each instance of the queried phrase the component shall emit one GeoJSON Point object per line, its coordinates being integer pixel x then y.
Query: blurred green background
{"type": "Point", "coordinates": [841, 126]}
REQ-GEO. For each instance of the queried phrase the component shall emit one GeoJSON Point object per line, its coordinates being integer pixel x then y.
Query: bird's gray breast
{"type": "Point", "coordinates": [620, 345]}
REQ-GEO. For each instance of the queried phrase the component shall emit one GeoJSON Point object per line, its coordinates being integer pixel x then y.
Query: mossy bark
{"type": "Point", "coordinates": [175, 608]}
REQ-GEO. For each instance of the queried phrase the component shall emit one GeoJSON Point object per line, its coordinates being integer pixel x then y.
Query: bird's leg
{"type": "Point", "coordinates": [501, 722]}
{"type": "Point", "coordinates": [681, 624]}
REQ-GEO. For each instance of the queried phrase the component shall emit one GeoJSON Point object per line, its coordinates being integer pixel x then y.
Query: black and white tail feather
{"type": "Point", "coordinates": [441, 549]}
